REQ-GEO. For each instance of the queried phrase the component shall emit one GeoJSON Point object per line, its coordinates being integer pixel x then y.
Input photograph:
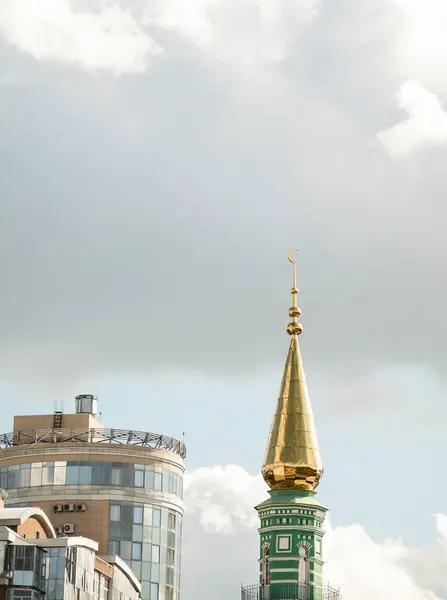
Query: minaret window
{"type": "Point", "coordinates": [283, 543]}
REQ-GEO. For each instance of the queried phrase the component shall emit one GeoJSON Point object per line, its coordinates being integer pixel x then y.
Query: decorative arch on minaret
{"type": "Point", "coordinates": [304, 549]}
{"type": "Point", "coordinates": [266, 564]}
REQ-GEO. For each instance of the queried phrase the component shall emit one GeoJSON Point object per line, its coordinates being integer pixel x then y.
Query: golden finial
{"type": "Point", "coordinates": [292, 457]}
{"type": "Point", "coordinates": [294, 328]}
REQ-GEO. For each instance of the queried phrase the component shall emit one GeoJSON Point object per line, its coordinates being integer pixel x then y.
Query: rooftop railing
{"type": "Point", "coordinates": [93, 436]}
{"type": "Point", "coordinates": [292, 591]}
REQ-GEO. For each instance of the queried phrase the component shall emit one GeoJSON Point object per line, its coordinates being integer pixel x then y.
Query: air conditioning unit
{"type": "Point", "coordinates": [59, 530]}
{"type": "Point", "coordinates": [58, 508]}
{"type": "Point", "coordinates": [69, 528]}
{"type": "Point", "coordinates": [81, 507]}
{"type": "Point", "coordinates": [69, 507]}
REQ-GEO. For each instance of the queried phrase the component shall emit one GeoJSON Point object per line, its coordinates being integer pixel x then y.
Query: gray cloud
{"type": "Point", "coordinates": [145, 221]}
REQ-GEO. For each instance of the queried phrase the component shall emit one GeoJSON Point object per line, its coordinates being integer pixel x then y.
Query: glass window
{"type": "Point", "coordinates": [115, 512]}
{"type": "Point", "coordinates": [156, 538]}
{"type": "Point", "coordinates": [139, 478]}
{"type": "Point", "coordinates": [127, 475]}
{"type": "Point", "coordinates": [169, 595]}
{"type": "Point", "coordinates": [171, 521]}
{"type": "Point", "coordinates": [136, 551]}
{"type": "Point", "coordinates": [158, 481]}
{"type": "Point", "coordinates": [156, 517]}
{"type": "Point", "coordinates": [137, 533]}
{"type": "Point", "coordinates": [149, 478]}
{"type": "Point", "coordinates": [170, 557]}
{"type": "Point", "coordinates": [115, 530]}
{"type": "Point", "coordinates": [126, 550]}
{"type": "Point", "coordinates": [13, 479]}
{"type": "Point", "coordinates": [114, 548]}
{"type": "Point", "coordinates": [48, 473]}
{"type": "Point", "coordinates": [138, 515]}
{"type": "Point", "coordinates": [155, 558]}
{"type": "Point", "coordinates": [25, 477]}
{"type": "Point", "coordinates": [72, 473]}
{"type": "Point", "coordinates": [60, 472]}
{"type": "Point", "coordinates": [154, 591]}
{"type": "Point", "coordinates": [170, 542]}
{"type": "Point", "coordinates": [116, 476]}
{"type": "Point", "coordinates": [85, 474]}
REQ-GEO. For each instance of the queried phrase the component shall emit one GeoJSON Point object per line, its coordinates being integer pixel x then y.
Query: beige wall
{"type": "Point", "coordinates": [31, 422]}
{"type": "Point", "coordinates": [103, 567]}
{"type": "Point", "coordinates": [93, 523]}
{"type": "Point", "coordinates": [30, 528]}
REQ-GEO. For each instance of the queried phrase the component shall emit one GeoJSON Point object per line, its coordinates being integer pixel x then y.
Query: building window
{"type": "Point", "coordinates": [139, 478]}
{"type": "Point", "coordinates": [136, 551]}
{"type": "Point", "coordinates": [115, 513]}
{"type": "Point", "coordinates": [170, 557]}
{"type": "Point", "coordinates": [283, 543]}
{"type": "Point", "coordinates": [171, 521]}
{"type": "Point", "coordinates": [154, 591]}
{"type": "Point", "coordinates": [156, 517]}
{"type": "Point", "coordinates": [114, 549]}
{"type": "Point", "coordinates": [169, 594]}
{"type": "Point", "coordinates": [138, 515]}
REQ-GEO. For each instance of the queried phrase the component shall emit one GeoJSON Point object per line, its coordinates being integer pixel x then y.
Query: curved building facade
{"type": "Point", "coordinates": [122, 488]}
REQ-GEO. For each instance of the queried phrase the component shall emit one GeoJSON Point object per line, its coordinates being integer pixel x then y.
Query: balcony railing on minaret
{"type": "Point", "coordinates": [290, 591]}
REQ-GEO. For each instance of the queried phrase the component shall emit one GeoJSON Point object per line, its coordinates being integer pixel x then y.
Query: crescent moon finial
{"type": "Point", "coordinates": [289, 256]}
{"type": "Point", "coordinates": [294, 328]}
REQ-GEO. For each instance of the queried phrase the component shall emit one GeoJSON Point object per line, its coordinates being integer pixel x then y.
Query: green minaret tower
{"type": "Point", "coordinates": [291, 520]}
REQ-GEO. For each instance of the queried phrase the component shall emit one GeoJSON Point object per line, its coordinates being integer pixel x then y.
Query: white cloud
{"type": "Point", "coordinates": [108, 39]}
{"type": "Point", "coordinates": [241, 32]}
{"type": "Point", "coordinates": [426, 124]}
{"type": "Point", "coordinates": [422, 43]}
{"type": "Point", "coordinates": [223, 498]}
{"type": "Point", "coordinates": [111, 38]}
{"type": "Point", "coordinates": [220, 512]}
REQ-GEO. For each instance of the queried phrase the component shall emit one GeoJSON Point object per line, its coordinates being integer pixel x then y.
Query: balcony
{"type": "Point", "coordinates": [290, 591]}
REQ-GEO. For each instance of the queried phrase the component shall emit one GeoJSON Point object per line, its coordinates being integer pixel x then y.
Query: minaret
{"type": "Point", "coordinates": [291, 520]}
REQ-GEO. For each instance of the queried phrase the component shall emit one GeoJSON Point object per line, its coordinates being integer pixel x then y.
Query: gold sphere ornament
{"type": "Point", "coordinates": [294, 312]}
{"type": "Point", "coordinates": [294, 328]}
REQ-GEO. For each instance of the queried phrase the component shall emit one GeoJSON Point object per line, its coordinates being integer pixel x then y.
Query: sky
{"type": "Point", "coordinates": [158, 159]}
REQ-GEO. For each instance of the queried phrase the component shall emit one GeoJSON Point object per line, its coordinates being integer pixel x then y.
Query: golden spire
{"type": "Point", "coordinates": [292, 457]}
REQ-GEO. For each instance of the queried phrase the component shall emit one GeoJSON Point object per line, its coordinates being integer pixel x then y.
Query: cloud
{"type": "Point", "coordinates": [238, 32]}
{"type": "Point", "coordinates": [425, 126]}
{"type": "Point", "coordinates": [360, 566]}
{"type": "Point", "coordinates": [108, 39]}
{"type": "Point", "coordinates": [222, 498]}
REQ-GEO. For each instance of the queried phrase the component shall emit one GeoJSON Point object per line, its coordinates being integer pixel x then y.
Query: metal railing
{"type": "Point", "coordinates": [93, 436]}
{"type": "Point", "coordinates": [290, 591]}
